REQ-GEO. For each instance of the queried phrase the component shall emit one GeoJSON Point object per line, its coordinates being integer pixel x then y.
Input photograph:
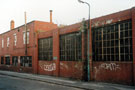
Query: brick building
{"type": "Point", "coordinates": [12, 46]}
{"type": "Point", "coordinates": [62, 51]}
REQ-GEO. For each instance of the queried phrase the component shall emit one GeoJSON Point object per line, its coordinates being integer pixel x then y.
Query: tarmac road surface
{"type": "Point", "coordinates": [14, 83]}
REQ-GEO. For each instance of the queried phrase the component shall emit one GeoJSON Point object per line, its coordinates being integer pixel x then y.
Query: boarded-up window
{"type": "Point", "coordinates": [45, 49]}
{"type": "Point", "coordinates": [113, 42]}
{"type": "Point", "coordinates": [71, 47]}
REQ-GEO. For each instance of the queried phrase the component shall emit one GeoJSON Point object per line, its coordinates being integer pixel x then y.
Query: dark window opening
{"type": "Point", "coordinates": [116, 43]}
{"type": "Point", "coordinates": [26, 61]}
{"type": "Point", "coordinates": [7, 59]}
{"type": "Point", "coordinates": [45, 49]}
{"type": "Point", "coordinates": [2, 60]}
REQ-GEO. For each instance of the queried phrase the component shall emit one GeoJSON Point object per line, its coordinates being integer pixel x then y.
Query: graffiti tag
{"type": "Point", "coordinates": [106, 66]}
{"type": "Point", "coordinates": [111, 66]}
{"type": "Point", "coordinates": [50, 67]}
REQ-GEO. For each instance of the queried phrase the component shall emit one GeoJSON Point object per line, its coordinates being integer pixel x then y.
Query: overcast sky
{"type": "Point", "coordinates": [64, 11]}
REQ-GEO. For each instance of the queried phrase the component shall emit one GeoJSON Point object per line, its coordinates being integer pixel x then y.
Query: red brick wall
{"type": "Point", "coordinates": [133, 39]}
{"type": "Point", "coordinates": [111, 18]}
{"type": "Point", "coordinates": [115, 72]}
{"type": "Point", "coordinates": [44, 26]}
{"type": "Point", "coordinates": [71, 69]}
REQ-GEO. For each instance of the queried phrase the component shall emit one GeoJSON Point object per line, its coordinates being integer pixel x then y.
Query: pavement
{"type": "Point", "coordinates": [69, 83]}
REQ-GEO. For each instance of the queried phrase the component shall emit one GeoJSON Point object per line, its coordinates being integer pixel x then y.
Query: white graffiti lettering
{"type": "Point", "coordinates": [50, 67]}
{"type": "Point", "coordinates": [106, 66]}
{"type": "Point", "coordinates": [111, 66]}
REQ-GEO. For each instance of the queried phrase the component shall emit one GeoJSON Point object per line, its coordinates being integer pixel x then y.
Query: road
{"type": "Point", "coordinates": [14, 83]}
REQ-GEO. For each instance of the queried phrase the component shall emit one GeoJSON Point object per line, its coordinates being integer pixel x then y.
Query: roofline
{"type": "Point", "coordinates": [22, 26]}
{"type": "Point", "coordinates": [17, 27]}
{"type": "Point", "coordinates": [112, 13]}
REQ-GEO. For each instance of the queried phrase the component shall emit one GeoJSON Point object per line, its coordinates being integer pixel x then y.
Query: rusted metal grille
{"type": "Point", "coordinates": [45, 49]}
{"type": "Point", "coordinates": [113, 42]}
{"type": "Point", "coordinates": [15, 60]}
{"type": "Point", "coordinates": [71, 47]}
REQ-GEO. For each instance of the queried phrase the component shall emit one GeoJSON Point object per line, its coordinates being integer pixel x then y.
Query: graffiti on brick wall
{"type": "Point", "coordinates": [63, 66]}
{"type": "Point", "coordinates": [106, 66]}
{"type": "Point", "coordinates": [48, 67]}
{"type": "Point", "coordinates": [111, 66]}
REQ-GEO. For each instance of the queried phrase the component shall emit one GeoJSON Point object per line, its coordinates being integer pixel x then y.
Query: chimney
{"type": "Point", "coordinates": [12, 24]}
{"type": "Point", "coordinates": [50, 16]}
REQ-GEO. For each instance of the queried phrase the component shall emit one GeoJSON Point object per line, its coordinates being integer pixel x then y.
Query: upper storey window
{"type": "Point", "coordinates": [24, 38]}
{"type": "Point", "coordinates": [8, 41]}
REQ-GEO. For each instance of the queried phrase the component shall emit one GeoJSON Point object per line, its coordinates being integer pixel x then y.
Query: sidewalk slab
{"type": "Point", "coordinates": [69, 83]}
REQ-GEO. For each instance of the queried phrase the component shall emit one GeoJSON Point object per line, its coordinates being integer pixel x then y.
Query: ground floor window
{"type": "Point", "coordinates": [2, 60]}
{"type": "Point", "coordinates": [15, 60]}
{"type": "Point", "coordinates": [7, 59]}
{"type": "Point", "coordinates": [26, 61]}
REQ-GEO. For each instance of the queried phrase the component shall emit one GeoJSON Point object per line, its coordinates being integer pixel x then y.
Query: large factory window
{"type": "Point", "coordinates": [113, 42]}
{"type": "Point", "coordinates": [45, 49]}
{"type": "Point", "coordinates": [15, 60]}
{"type": "Point", "coordinates": [71, 47]}
{"type": "Point", "coordinates": [26, 61]}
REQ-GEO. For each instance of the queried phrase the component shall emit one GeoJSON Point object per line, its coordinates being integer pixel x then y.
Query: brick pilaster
{"type": "Point", "coordinates": [56, 54]}
{"type": "Point", "coordinates": [133, 40]}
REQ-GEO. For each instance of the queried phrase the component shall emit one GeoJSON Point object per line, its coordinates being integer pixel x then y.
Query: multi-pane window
{"type": "Point", "coordinates": [8, 41]}
{"type": "Point", "coordinates": [24, 37]}
{"type": "Point", "coordinates": [71, 47]}
{"type": "Point", "coordinates": [2, 60]}
{"type": "Point", "coordinates": [26, 61]}
{"type": "Point", "coordinates": [113, 42]}
{"type": "Point", "coordinates": [2, 43]}
{"type": "Point", "coordinates": [45, 49]}
{"type": "Point", "coordinates": [15, 60]}
{"type": "Point", "coordinates": [7, 59]}
{"type": "Point", "coordinates": [15, 39]}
